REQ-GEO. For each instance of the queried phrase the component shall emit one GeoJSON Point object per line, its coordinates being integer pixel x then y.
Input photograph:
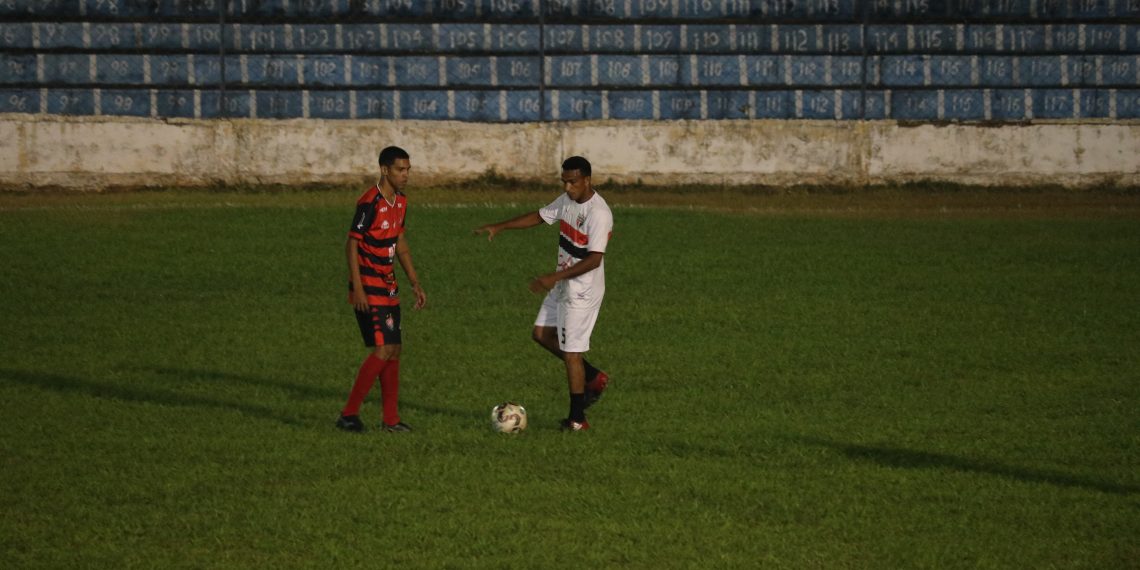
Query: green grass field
{"type": "Point", "coordinates": [895, 379]}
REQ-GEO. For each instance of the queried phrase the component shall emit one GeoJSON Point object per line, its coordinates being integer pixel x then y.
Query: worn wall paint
{"type": "Point", "coordinates": [100, 152]}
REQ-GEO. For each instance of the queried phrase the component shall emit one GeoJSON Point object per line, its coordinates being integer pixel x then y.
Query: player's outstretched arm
{"type": "Point", "coordinates": [527, 220]}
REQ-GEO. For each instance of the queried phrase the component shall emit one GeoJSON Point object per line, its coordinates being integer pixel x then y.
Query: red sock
{"type": "Point", "coordinates": [365, 378]}
{"type": "Point", "coordinates": [390, 392]}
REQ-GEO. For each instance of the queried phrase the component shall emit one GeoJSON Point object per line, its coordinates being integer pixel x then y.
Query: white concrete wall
{"type": "Point", "coordinates": [99, 152]}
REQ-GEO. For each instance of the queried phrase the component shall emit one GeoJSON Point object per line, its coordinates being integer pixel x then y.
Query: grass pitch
{"type": "Point", "coordinates": [890, 379]}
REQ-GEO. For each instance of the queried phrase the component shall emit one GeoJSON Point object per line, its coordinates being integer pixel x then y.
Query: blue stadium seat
{"type": "Point", "coordinates": [375, 105]}
{"type": "Point", "coordinates": [124, 102]}
{"type": "Point", "coordinates": [329, 104]}
{"type": "Point", "coordinates": [424, 105]}
{"type": "Point", "coordinates": [175, 103]}
{"type": "Point", "coordinates": [20, 101]}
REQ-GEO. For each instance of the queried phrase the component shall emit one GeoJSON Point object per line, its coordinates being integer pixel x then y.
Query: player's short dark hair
{"type": "Point", "coordinates": [391, 154]}
{"type": "Point", "coordinates": [577, 163]}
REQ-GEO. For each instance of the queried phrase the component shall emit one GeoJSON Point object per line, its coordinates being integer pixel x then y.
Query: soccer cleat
{"type": "Point", "coordinates": [398, 427]}
{"type": "Point", "coordinates": [350, 423]}
{"type": "Point", "coordinates": [595, 387]}
{"type": "Point", "coordinates": [571, 425]}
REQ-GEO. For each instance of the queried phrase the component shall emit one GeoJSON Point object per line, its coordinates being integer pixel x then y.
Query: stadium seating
{"type": "Point", "coordinates": [510, 61]}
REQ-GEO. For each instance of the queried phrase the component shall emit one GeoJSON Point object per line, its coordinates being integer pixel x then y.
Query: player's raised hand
{"type": "Point", "coordinates": [490, 229]}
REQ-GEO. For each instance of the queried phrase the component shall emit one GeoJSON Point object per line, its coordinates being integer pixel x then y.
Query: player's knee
{"type": "Point", "coordinates": [388, 352]}
{"type": "Point", "coordinates": [537, 335]}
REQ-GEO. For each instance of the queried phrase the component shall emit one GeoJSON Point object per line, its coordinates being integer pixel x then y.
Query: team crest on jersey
{"type": "Point", "coordinates": [581, 220]}
{"type": "Point", "coordinates": [384, 209]}
{"type": "Point", "coordinates": [385, 225]}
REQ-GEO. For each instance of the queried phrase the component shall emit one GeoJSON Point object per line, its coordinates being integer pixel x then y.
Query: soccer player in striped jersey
{"type": "Point", "coordinates": [575, 289]}
{"type": "Point", "coordinates": [376, 239]}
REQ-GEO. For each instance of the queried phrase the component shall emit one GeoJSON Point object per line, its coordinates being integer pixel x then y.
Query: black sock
{"type": "Point", "coordinates": [591, 372]}
{"type": "Point", "coordinates": [578, 407]}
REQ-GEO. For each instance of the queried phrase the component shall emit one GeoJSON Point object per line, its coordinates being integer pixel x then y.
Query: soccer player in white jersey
{"type": "Point", "coordinates": [574, 290]}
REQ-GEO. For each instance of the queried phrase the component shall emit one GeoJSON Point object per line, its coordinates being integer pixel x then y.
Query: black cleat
{"type": "Point", "coordinates": [397, 427]}
{"type": "Point", "coordinates": [350, 423]}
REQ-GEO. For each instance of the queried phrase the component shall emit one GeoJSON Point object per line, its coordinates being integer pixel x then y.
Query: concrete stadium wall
{"type": "Point", "coordinates": [95, 153]}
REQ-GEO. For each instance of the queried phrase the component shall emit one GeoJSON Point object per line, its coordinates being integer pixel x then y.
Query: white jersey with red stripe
{"type": "Point", "coordinates": [583, 228]}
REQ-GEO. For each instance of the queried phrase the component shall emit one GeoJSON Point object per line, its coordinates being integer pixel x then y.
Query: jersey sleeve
{"type": "Point", "coordinates": [362, 220]}
{"type": "Point", "coordinates": [365, 214]}
{"type": "Point", "coordinates": [552, 211]}
{"type": "Point", "coordinates": [600, 228]}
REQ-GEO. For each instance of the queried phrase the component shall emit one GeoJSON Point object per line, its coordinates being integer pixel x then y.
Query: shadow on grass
{"type": "Point", "coordinates": [911, 459]}
{"type": "Point", "coordinates": [306, 391]}
{"type": "Point", "coordinates": [107, 390]}
{"type": "Point", "coordinates": [87, 387]}
{"type": "Point", "coordinates": [309, 391]}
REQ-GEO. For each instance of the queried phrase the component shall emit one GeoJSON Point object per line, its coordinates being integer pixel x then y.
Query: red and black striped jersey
{"type": "Point", "coordinates": [377, 225]}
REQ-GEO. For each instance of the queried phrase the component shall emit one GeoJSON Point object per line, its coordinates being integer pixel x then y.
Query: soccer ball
{"type": "Point", "coordinates": [508, 417]}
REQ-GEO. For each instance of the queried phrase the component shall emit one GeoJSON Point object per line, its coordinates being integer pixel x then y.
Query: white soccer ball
{"type": "Point", "coordinates": [508, 417]}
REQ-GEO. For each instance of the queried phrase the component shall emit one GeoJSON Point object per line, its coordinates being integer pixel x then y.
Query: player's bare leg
{"type": "Point", "coordinates": [388, 351]}
{"type": "Point", "coordinates": [547, 337]}
{"type": "Point", "coordinates": [575, 372]}
{"type": "Point", "coordinates": [576, 381]}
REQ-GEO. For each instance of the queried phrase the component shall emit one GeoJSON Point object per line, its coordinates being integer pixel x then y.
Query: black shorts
{"type": "Point", "coordinates": [379, 326]}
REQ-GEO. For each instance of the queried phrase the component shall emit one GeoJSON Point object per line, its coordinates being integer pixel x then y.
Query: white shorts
{"type": "Point", "coordinates": [574, 324]}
